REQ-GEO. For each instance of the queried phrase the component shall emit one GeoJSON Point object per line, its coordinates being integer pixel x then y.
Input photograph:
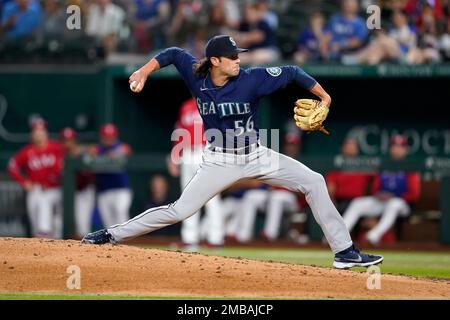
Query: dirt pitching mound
{"type": "Point", "coordinates": [37, 265]}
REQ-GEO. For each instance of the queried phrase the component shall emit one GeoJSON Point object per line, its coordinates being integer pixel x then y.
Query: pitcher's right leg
{"type": "Point", "coordinates": [295, 176]}
{"type": "Point", "coordinates": [209, 180]}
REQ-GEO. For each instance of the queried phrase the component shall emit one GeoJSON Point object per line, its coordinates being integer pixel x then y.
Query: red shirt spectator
{"type": "Point", "coordinates": [415, 10]}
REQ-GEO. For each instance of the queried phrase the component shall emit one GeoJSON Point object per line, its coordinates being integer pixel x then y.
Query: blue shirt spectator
{"type": "Point", "coordinates": [2, 5]}
{"type": "Point", "coordinates": [346, 31]}
{"type": "Point", "coordinates": [21, 17]}
{"type": "Point", "coordinates": [146, 10]}
{"type": "Point", "coordinates": [150, 19]}
{"type": "Point", "coordinates": [309, 42]}
{"type": "Point", "coordinates": [269, 35]}
{"type": "Point", "coordinates": [394, 182]}
{"type": "Point", "coordinates": [343, 30]}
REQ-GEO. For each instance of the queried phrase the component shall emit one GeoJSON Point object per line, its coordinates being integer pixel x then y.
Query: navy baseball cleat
{"type": "Point", "coordinates": [98, 237]}
{"type": "Point", "coordinates": [352, 257]}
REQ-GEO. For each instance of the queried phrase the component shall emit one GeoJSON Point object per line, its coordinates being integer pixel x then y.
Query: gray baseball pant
{"type": "Point", "coordinates": [220, 170]}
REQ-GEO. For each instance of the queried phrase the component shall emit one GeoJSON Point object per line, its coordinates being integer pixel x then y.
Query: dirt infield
{"type": "Point", "coordinates": [37, 265]}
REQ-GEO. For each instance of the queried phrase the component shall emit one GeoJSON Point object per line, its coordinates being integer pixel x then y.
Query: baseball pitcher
{"type": "Point", "coordinates": [227, 98]}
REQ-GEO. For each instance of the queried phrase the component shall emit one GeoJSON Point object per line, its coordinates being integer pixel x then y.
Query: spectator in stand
{"type": "Point", "coordinates": [189, 15]}
{"type": "Point", "coordinates": [397, 45]}
{"type": "Point", "coordinates": [344, 186]}
{"type": "Point", "coordinates": [418, 11]}
{"type": "Point", "coordinates": [113, 188]}
{"type": "Point", "coordinates": [231, 13]}
{"type": "Point", "coordinates": [217, 21]}
{"type": "Point", "coordinates": [311, 39]}
{"type": "Point", "coordinates": [268, 15]}
{"type": "Point", "coordinates": [37, 167]}
{"type": "Point", "coordinates": [388, 7]}
{"type": "Point", "coordinates": [393, 192]}
{"type": "Point", "coordinates": [151, 18]}
{"type": "Point", "coordinates": [222, 20]}
{"type": "Point", "coordinates": [85, 183]}
{"type": "Point", "coordinates": [444, 43]}
{"type": "Point", "coordinates": [428, 44]}
{"type": "Point", "coordinates": [2, 5]}
{"type": "Point", "coordinates": [53, 24]}
{"type": "Point", "coordinates": [20, 18]}
{"type": "Point", "coordinates": [404, 35]}
{"type": "Point", "coordinates": [105, 23]}
{"type": "Point", "coordinates": [222, 16]}
{"type": "Point", "coordinates": [346, 32]}
{"type": "Point", "coordinates": [195, 42]}
{"type": "Point", "coordinates": [446, 8]}
{"type": "Point", "coordinates": [256, 35]}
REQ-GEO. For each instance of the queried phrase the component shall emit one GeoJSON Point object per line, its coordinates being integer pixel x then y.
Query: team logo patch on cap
{"type": "Point", "coordinates": [274, 71]}
{"type": "Point", "coordinates": [233, 42]}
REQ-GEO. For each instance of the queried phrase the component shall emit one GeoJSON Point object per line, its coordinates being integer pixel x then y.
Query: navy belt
{"type": "Point", "coordinates": [239, 151]}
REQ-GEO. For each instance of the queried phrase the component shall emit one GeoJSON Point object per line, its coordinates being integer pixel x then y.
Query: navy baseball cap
{"type": "Point", "coordinates": [222, 46]}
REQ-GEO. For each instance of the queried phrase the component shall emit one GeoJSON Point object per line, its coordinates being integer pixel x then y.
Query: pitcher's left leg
{"type": "Point", "coordinates": [295, 176]}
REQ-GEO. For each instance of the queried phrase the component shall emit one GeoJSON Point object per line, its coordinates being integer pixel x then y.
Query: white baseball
{"type": "Point", "coordinates": [135, 86]}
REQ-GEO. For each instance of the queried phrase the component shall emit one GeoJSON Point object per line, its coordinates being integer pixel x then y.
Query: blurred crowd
{"type": "Point", "coordinates": [411, 31]}
{"type": "Point", "coordinates": [372, 203]}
